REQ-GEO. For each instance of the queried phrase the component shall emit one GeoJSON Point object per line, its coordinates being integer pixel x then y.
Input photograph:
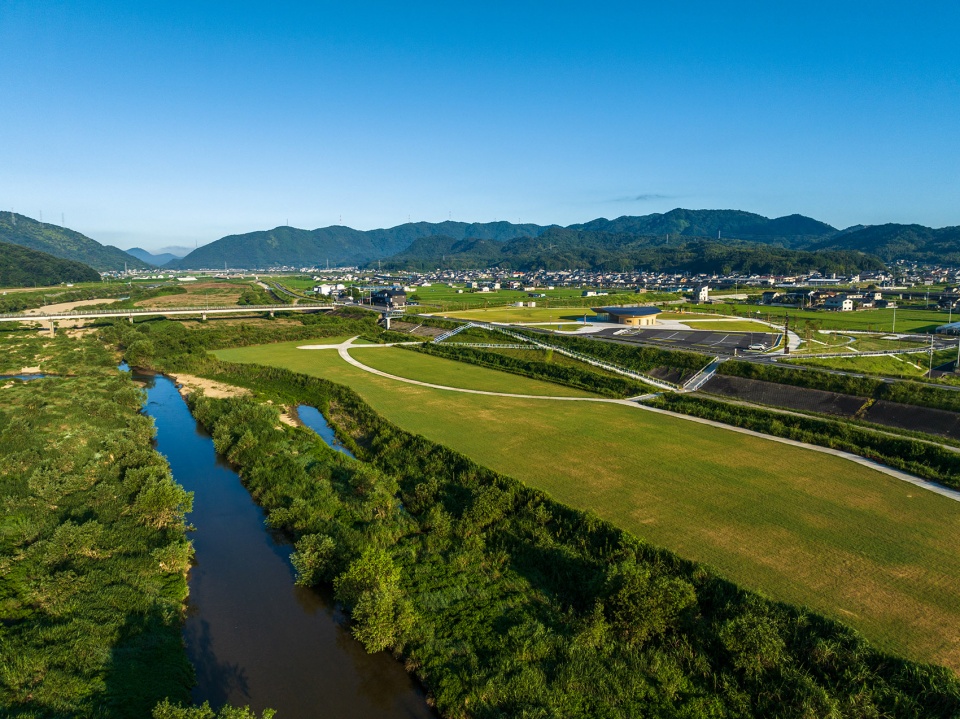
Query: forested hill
{"type": "Point", "coordinates": [23, 267]}
{"type": "Point", "coordinates": [790, 231]}
{"type": "Point", "coordinates": [560, 248]}
{"type": "Point", "coordinates": [64, 243]}
{"type": "Point", "coordinates": [337, 244]}
{"type": "Point", "coordinates": [432, 244]}
{"type": "Point", "coordinates": [906, 242]}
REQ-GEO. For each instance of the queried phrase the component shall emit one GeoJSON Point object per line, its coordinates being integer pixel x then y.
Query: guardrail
{"type": "Point", "coordinates": [662, 384]}
{"type": "Point", "coordinates": [133, 312]}
{"type": "Point", "coordinates": [481, 344]}
{"type": "Point", "coordinates": [455, 331]}
{"type": "Point", "coordinates": [703, 376]}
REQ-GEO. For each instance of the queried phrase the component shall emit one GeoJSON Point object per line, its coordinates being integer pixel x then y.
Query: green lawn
{"type": "Point", "coordinates": [800, 526]}
{"type": "Point", "coordinates": [450, 373]}
{"type": "Point", "coordinates": [912, 365]}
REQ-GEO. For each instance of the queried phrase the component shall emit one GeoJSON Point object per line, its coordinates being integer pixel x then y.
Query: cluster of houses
{"type": "Point", "coordinates": [828, 300]}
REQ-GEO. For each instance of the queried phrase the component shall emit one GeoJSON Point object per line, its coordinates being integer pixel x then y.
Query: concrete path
{"type": "Point", "coordinates": [345, 347]}
{"type": "Point", "coordinates": [349, 343]}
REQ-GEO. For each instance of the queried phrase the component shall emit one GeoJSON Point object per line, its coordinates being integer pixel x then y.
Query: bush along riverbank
{"type": "Point", "coordinates": [508, 604]}
{"type": "Point", "coordinates": [505, 603]}
{"type": "Point", "coordinates": [93, 547]}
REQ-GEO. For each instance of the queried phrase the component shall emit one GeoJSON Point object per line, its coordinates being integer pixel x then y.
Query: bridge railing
{"type": "Point", "coordinates": [80, 314]}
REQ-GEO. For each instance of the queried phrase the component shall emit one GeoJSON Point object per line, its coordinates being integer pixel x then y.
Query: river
{"type": "Point", "coordinates": [253, 636]}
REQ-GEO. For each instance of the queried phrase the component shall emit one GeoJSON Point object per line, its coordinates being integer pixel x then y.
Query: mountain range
{"type": "Point", "coordinates": [596, 244]}
{"type": "Point", "coordinates": [157, 260]}
{"type": "Point", "coordinates": [562, 248]}
{"type": "Point", "coordinates": [710, 240]}
{"type": "Point", "coordinates": [337, 245]}
{"type": "Point", "coordinates": [64, 243]}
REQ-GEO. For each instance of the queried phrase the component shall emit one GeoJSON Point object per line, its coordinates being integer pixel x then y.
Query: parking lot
{"type": "Point", "coordinates": [694, 340]}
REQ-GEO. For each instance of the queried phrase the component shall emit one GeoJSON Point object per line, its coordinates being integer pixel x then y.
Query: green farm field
{"type": "Point", "coordinates": [908, 320]}
{"type": "Point", "coordinates": [523, 315]}
{"type": "Point", "coordinates": [727, 325]}
{"type": "Point", "coordinates": [800, 526]}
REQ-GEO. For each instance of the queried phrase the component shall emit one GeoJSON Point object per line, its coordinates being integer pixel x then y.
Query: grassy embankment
{"type": "Point", "coordinates": [803, 527]}
{"type": "Point", "coordinates": [93, 548]}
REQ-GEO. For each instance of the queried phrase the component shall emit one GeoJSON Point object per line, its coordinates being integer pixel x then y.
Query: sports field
{"type": "Point", "coordinates": [800, 526]}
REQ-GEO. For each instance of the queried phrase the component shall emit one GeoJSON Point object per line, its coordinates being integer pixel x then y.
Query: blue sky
{"type": "Point", "coordinates": [176, 123]}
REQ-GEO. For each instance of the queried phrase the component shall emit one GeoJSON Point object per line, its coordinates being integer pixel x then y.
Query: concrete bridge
{"type": "Point", "coordinates": [52, 317]}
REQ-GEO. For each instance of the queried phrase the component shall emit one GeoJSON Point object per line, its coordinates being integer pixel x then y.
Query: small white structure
{"type": "Point", "coordinates": [702, 294]}
{"type": "Point", "coordinates": [840, 303]}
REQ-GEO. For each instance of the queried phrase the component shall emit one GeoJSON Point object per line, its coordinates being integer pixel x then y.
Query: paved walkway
{"type": "Point", "coordinates": [344, 350]}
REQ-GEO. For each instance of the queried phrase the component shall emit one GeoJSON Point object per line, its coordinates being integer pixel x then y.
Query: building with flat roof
{"type": "Point", "coordinates": [633, 316]}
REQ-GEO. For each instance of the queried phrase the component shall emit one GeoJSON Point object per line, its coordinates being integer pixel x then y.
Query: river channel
{"type": "Point", "coordinates": [252, 635]}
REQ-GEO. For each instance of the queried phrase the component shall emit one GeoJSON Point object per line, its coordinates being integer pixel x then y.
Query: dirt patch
{"type": "Point", "coordinates": [198, 295]}
{"type": "Point", "coordinates": [67, 306]}
{"type": "Point", "coordinates": [289, 417]}
{"type": "Point", "coordinates": [211, 388]}
{"type": "Point", "coordinates": [29, 370]}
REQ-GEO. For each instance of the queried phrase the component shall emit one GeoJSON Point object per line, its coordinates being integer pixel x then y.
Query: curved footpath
{"type": "Point", "coordinates": [344, 350]}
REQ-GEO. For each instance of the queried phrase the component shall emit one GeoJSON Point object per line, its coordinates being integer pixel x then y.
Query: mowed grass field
{"type": "Point", "coordinates": [523, 314]}
{"type": "Point", "coordinates": [802, 527]}
{"type": "Point", "coordinates": [450, 373]}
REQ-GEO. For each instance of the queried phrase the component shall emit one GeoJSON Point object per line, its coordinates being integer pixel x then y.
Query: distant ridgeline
{"type": "Point", "coordinates": [558, 249]}
{"type": "Point", "coordinates": [64, 243]}
{"type": "Point", "coordinates": [680, 240]}
{"type": "Point", "coordinates": [23, 267]}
